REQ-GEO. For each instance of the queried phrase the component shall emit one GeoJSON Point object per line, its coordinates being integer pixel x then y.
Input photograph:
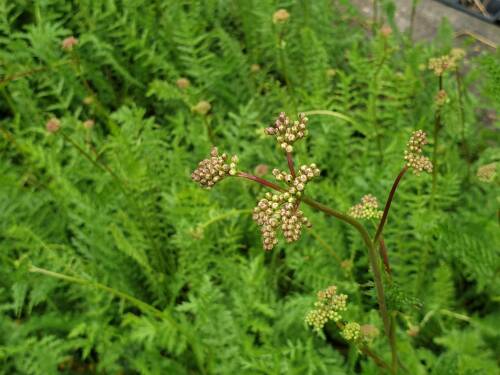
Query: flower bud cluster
{"type": "Point", "coordinates": [286, 132]}
{"type": "Point", "coordinates": [328, 306]}
{"type": "Point", "coordinates": [446, 62]}
{"type": "Point", "coordinates": [351, 331]}
{"type": "Point", "coordinates": [413, 153]}
{"type": "Point", "coordinates": [441, 98]}
{"type": "Point", "coordinates": [487, 173]}
{"type": "Point", "coordinates": [441, 64]}
{"type": "Point", "coordinates": [280, 16]}
{"type": "Point", "coordinates": [53, 125]}
{"type": "Point", "coordinates": [298, 183]}
{"type": "Point", "coordinates": [279, 211]}
{"type": "Point", "coordinates": [213, 169]}
{"type": "Point", "coordinates": [367, 209]}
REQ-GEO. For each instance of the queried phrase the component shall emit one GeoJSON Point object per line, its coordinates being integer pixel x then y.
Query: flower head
{"type": "Point", "coordinates": [214, 169]}
{"type": "Point", "coordinates": [367, 209]}
{"type": "Point", "coordinates": [441, 98]}
{"type": "Point", "coordinates": [280, 16]}
{"type": "Point", "coordinates": [287, 132]}
{"type": "Point", "coordinates": [281, 210]}
{"type": "Point", "coordinates": [183, 83]}
{"type": "Point", "coordinates": [413, 153]}
{"type": "Point", "coordinates": [68, 43]}
{"type": "Point", "coordinates": [385, 31]}
{"type": "Point", "coordinates": [446, 62]}
{"type": "Point", "coordinates": [53, 125]}
{"type": "Point", "coordinates": [351, 331]}
{"type": "Point", "coordinates": [202, 107]}
{"type": "Point", "coordinates": [487, 173]}
{"type": "Point", "coordinates": [329, 306]}
{"type": "Point", "coordinates": [88, 124]}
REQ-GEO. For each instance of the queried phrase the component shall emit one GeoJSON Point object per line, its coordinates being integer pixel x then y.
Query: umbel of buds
{"type": "Point", "coordinates": [328, 306]}
{"type": "Point", "coordinates": [287, 132]}
{"type": "Point", "coordinates": [351, 331]}
{"type": "Point", "coordinates": [413, 153]}
{"type": "Point", "coordinates": [214, 169]}
{"type": "Point", "coordinates": [367, 209]}
{"type": "Point", "coordinates": [281, 210]}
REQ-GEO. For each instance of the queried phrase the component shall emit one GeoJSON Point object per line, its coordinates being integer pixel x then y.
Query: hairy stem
{"type": "Point", "coordinates": [388, 204]}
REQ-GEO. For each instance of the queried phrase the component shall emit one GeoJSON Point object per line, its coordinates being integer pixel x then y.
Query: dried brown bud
{"type": "Point", "coordinates": [53, 125]}
{"type": "Point", "coordinates": [281, 16]}
{"type": "Point", "coordinates": [68, 43]}
{"type": "Point", "coordinates": [183, 83]}
{"type": "Point", "coordinates": [202, 107]}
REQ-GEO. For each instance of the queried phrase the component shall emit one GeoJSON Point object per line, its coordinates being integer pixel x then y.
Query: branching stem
{"type": "Point", "coordinates": [372, 254]}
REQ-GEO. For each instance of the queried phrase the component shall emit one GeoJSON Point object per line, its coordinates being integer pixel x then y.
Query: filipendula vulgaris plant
{"type": "Point", "coordinates": [280, 212]}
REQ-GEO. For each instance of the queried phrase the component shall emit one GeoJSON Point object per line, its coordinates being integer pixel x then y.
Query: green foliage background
{"type": "Point", "coordinates": [139, 271]}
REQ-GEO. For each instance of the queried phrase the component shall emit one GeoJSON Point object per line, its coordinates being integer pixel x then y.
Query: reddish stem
{"type": "Point", "coordinates": [260, 181]}
{"type": "Point", "coordinates": [384, 256]}
{"type": "Point", "coordinates": [388, 204]}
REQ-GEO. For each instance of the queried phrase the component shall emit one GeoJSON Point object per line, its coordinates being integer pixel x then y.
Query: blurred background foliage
{"type": "Point", "coordinates": [114, 262]}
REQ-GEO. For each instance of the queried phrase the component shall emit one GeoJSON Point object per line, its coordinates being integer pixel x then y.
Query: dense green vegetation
{"type": "Point", "coordinates": [114, 262]}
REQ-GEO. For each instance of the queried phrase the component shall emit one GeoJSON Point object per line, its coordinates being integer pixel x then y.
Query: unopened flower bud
{"type": "Point", "coordinates": [53, 125]}
{"type": "Point", "coordinates": [280, 16]}
{"type": "Point", "coordinates": [88, 124]}
{"type": "Point", "coordinates": [202, 107]}
{"type": "Point", "coordinates": [68, 43]}
{"type": "Point", "coordinates": [183, 83]}
{"type": "Point", "coordinates": [413, 153]}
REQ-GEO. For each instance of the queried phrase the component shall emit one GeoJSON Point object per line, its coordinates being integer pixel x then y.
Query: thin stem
{"type": "Point", "coordinates": [392, 340]}
{"type": "Point", "coordinates": [437, 128]}
{"type": "Point", "coordinates": [462, 120]}
{"type": "Point", "coordinates": [104, 167]}
{"type": "Point", "coordinates": [261, 181]}
{"type": "Point", "coordinates": [141, 305]}
{"type": "Point", "coordinates": [34, 71]}
{"type": "Point", "coordinates": [289, 159]}
{"type": "Point", "coordinates": [388, 204]}
{"type": "Point", "coordinates": [412, 17]}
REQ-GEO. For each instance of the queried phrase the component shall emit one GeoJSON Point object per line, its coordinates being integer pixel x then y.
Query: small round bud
{"type": "Point", "coordinates": [183, 83]}
{"type": "Point", "coordinates": [53, 125]}
{"type": "Point", "coordinates": [68, 43]}
{"type": "Point", "coordinates": [202, 107]}
{"type": "Point", "coordinates": [280, 16]}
